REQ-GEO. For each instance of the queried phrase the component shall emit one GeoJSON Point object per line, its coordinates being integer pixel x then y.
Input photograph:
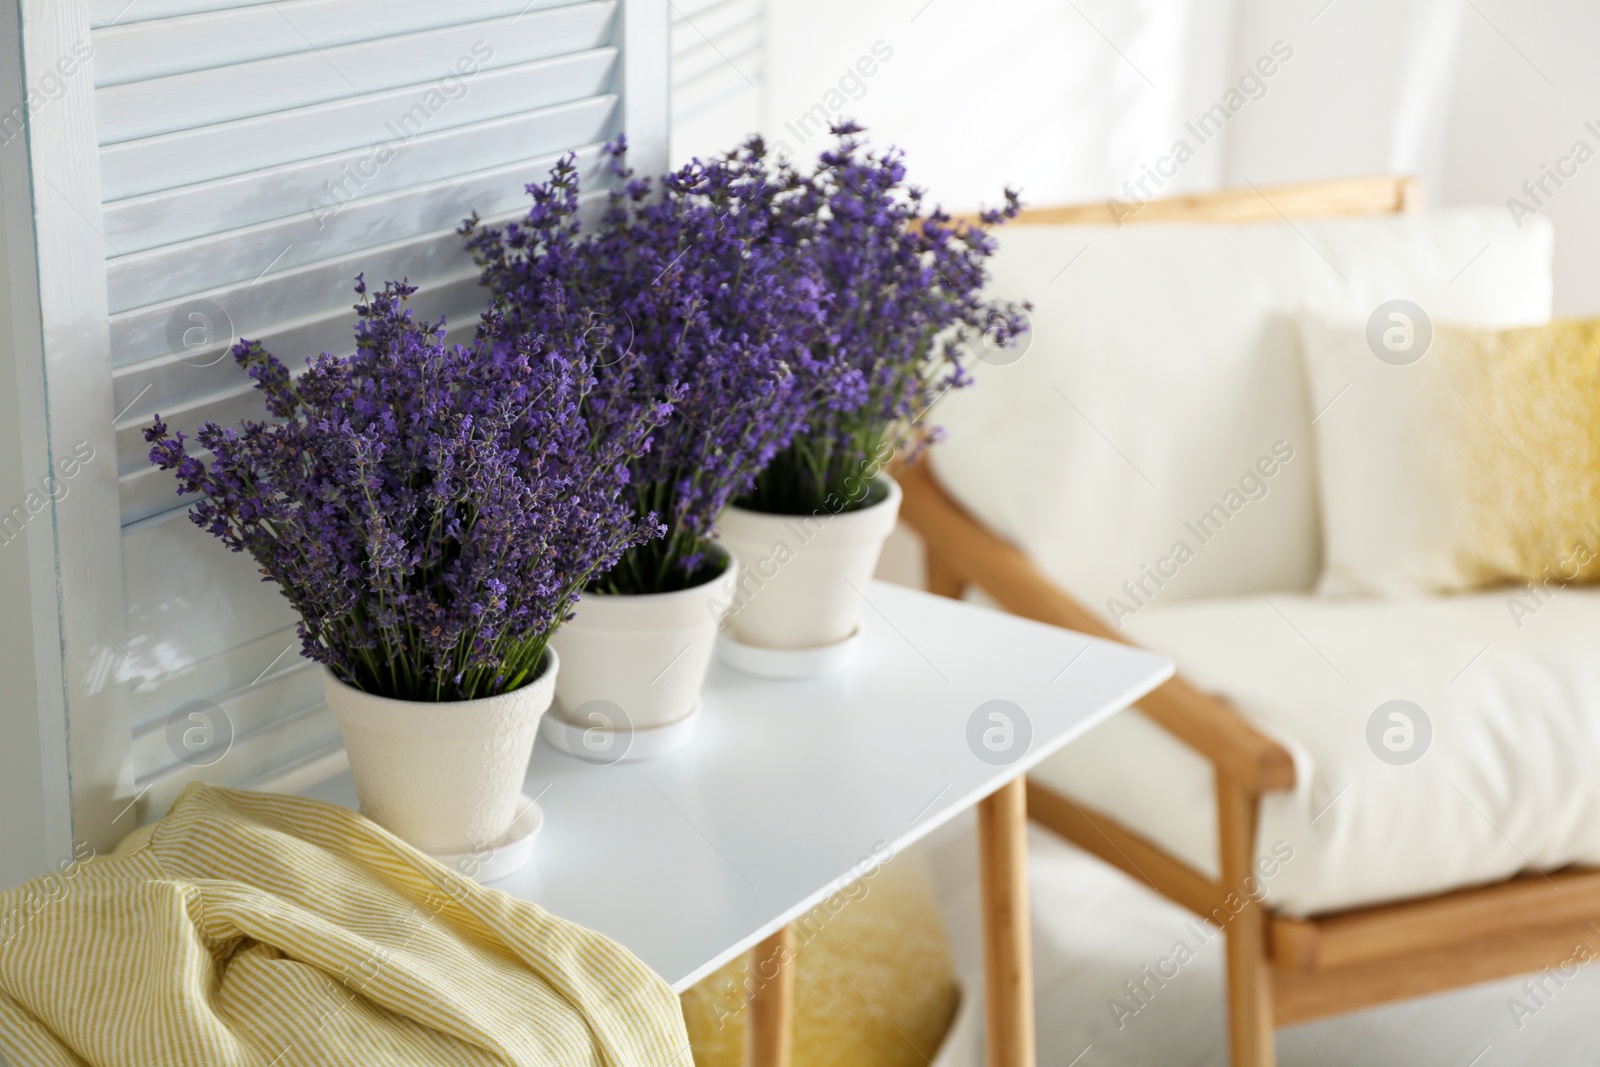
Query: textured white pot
{"type": "Point", "coordinates": [795, 590]}
{"type": "Point", "coordinates": [447, 777]}
{"type": "Point", "coordinates": [646, 654]}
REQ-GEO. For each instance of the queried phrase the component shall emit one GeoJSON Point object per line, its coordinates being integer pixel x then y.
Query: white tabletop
{"type": "Point", "coordinates": [789, 786]}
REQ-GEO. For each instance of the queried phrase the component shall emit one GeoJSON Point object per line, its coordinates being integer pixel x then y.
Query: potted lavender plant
{"type": "Point", "coordinates": [432, 514]}
{"type": "Point", "coordinates": [710, 315]}
{"type": "Point", "coordinates": [903, 290]}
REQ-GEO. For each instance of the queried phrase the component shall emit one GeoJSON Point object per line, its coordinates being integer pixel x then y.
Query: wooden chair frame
{"type": "Point", "coordinates": [1280, 970]}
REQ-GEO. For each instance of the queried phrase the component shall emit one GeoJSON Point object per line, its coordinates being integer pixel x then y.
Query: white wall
{"type": "Point", "coordinates": [1369, 90]}
{"type": "Point", "coordinates": [1473, 97]}
{"type": "Point", "coordinates": [1061, 102]}
{"type": "Point", "coordinates": [1069, 101]}
{"type": "Point", "coordinates": [1510, 121]}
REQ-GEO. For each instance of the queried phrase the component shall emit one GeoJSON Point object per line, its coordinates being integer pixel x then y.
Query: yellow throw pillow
{"type": "Point", "coordinates": [874, 985]}
{"type": "Point", "coordinates": [1454, 458]}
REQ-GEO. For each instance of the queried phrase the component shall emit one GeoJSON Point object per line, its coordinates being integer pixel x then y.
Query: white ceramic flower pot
{"type": "Point", "coordinates": [795, 591]}
{"type": "Point", "coordinates": [644, 657]}
{"type": "Point", "coordinates": [446, 777]}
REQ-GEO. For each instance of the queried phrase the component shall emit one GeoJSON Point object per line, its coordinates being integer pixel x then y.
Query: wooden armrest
{"type": "Point", "coordinates": [1205, 723]}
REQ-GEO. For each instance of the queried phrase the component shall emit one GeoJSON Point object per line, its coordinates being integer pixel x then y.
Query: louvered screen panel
{"type": "Point", "coordinates": [254, 158]}
{"type": "Point", "coordinates": [717, 54]}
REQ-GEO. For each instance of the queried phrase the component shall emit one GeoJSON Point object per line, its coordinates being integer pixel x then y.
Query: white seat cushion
{"type": "Point", "coordinates": [1510, 781]}
{"type": "Point", "coordinates": [1162, 398]}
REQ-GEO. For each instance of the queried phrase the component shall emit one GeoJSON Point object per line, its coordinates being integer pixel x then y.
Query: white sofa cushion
{"type": "Point", "coordinates": [1163, 376]}
{"type": "Point", "coordinates": [1507, 783]}
{"type": "Point", "coordinates": [1472, 460]}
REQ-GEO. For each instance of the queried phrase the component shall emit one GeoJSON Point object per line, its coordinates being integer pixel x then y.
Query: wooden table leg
{"type": "Point", "coordinates": [1007, 952]}
{"type": "Point", "coordinates": [770, 1031]}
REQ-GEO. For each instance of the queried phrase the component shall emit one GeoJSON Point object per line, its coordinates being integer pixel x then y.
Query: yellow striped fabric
{"type": "Point", "coordinates": [273, 931]}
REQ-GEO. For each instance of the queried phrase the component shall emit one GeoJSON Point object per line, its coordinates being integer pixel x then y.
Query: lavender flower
{"type": "Point", "coordinates": [431, 511]}
{"type": "Point", "coordinates": [903, 287]}
{"type": "Point", "coordinates": [699, 301]}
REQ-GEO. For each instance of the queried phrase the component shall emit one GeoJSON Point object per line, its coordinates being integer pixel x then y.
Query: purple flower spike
{"type": "Point", "coordinates": [698, 303]}
{"type": "Point", "coordinates": [431, 511]}
{"type": "Point", "coordinates": [903, 287]}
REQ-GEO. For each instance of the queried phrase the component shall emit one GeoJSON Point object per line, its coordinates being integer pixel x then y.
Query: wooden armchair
{"type": "Point", "coordinates": [1280, 969]}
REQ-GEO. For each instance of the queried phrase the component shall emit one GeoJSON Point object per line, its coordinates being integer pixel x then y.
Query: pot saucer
{"type": "Point", "coordinates": [603, 744]}
{"type": "Point", "coordinates": [507, 855]}
{"type": "Point", "coordinates": [788, 662]}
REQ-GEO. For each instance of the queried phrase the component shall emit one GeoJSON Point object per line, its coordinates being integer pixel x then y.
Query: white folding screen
{"type": "Point", "coordinates": [718, 70]}
{"type": "Point", "coordinates": [213, 169]}
{"type": "Point", "coordinates": [718, 50]}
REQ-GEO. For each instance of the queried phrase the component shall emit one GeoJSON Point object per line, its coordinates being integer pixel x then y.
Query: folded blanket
{"type": "Point", "coordinates": [273, 931]}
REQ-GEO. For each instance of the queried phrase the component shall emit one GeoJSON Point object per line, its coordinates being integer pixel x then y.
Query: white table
{"type": "Point", "coordinates": [789, 786]}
